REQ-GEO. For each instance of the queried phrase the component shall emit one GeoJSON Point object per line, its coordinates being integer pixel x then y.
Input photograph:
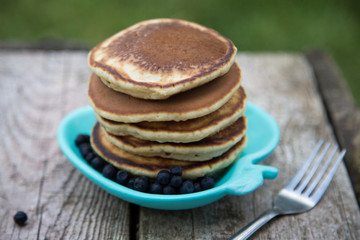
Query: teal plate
{"type": "Point", "coordinates": [243, 177]}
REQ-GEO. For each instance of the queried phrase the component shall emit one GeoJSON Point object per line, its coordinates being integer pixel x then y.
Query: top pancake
{"type": "Point", "coordinates": [191, 104]}
{"type": "Point", "coordinates": [158, 58]}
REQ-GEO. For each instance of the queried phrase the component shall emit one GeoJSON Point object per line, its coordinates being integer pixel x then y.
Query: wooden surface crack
{"type": "Point", "coordinates": [39, 207]}
{"type": "Point", "coordinates": [39, 88]}
{"type": "Point", "coordinates": [134, 222]}
{"type": "Point", "coordinates": [193, 224]}
{"type": "Point", "coordinates": [341, 111]}
{"type": "Point", "coordinates": [342, 213]}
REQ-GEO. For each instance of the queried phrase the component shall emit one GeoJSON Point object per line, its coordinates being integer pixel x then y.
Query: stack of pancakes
{"type": "Point", "coordinates": [167, 92]}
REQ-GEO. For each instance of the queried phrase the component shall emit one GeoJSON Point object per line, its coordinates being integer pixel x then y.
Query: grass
{"type": "Point", "coordinates": [333, 26]}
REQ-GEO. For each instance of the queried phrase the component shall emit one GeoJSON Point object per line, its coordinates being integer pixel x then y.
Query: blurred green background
{"type": "Point", "coordinates": [256, 26]}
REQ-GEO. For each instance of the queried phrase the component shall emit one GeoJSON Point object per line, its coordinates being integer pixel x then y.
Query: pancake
{"type": "Point", "coordinates": [205, 149]}
{"type": "Point", "coordinates": [191, 104]}
{"type": "Point", "coordinates": [158, 58]}
{"type": "Point", "coordinates": [185, 131]}
{"type": "Point", "coordinates": [150, 166]}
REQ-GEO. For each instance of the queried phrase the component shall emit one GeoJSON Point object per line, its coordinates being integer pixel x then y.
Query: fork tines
{"type": "Point", "coordinates": [312, 180]}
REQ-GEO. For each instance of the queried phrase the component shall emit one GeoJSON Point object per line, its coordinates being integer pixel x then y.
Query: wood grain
{"type": "Point", "coordinates": [283, 85]}
{"type": "Point", "coordinates": [341, 109]}
{"type": "Point", "coordinates": [37, 90]}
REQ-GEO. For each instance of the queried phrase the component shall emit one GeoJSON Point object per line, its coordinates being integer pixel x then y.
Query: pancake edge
{"type": "Point", "coordinates": [166, 116]}
{"type": "Point", "coordinates": [209, 167]}
{"type": "Point", "coordinates": [116, 81]}
{"type": "Point", "coordinates": [164, 136]}
{"type": "Point", "coordinates": [138, 90]}
{"type": "Point", "coordinates": [168, 150]}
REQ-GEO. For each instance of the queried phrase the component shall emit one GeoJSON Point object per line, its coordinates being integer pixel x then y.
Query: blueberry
{"type": "Point", "coordinates": [20, 218]}
{"type": "Point", "coordinates": [169, 190]}
{"type": "Point", "coordinates": [84, 149]}
{"type": "Point", "coordinates": [82, 138]}
{"type": "Point", "coordinates": [109, 171]}
{"type": "Point", "coordinates": [156, 188]}
{"type": "Point", "coordinates": [122, 177]}
{"type": "Point", "coordinates": [130, 183]}
{"type": "Point", "coordinates": [176, 181]}
{"type": "Point", "coordinates": [197, 187]}
{"type": "Point", "coordinates": [176, 170]}
{"type": "Point", "coordinates": [207, 182]}
{"type": "Point", "coordinates": [90, 156]}
{"type": "Point", "coordinates": [163, 177]}
{"type": "Point", "coordinates": [146, 179]}
{"type": "Point", "coordinates": [187, 187]}
{"type": "Point", "coordinates": [97, 163]}
{"type": "Point", "coordinates": [140, 184]}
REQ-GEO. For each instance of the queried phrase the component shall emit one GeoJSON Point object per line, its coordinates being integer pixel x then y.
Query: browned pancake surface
{"type": "Point", "coordinates": [119, 106]}
{"type": "Point", "coordinates": [205, 149]}
{"type": "Point", "coordinates": [164, 46]}
{"type": "Point", "coordinates": [235, 104]}
{"type": "Point", "coordinates": [224, 136]}
{"type": "Point", "coordinates": [150, 166]}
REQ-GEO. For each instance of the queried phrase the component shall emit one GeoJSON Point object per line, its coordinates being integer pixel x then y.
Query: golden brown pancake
{"type": "Point", "coordinates": [205, 149]}
{"type": "Point", "coordinates": [158, 58]}
{"type": "Point", "coordinates": [191, 104]}
{"type": "Point", "coordinates": [150, 166]}
{"type": "Point", "coordinates": [184, 131]}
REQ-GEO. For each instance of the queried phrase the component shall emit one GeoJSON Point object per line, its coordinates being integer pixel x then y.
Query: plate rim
{"type": "Point", "coordinates": [147, 199]}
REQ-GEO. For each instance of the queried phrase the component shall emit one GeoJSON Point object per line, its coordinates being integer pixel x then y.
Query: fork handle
{"type": "Point", "coordinates": [256, 224]}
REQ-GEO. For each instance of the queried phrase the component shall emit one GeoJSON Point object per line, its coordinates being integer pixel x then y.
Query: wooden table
{"type": "Point", "coordinates": [301, 91]}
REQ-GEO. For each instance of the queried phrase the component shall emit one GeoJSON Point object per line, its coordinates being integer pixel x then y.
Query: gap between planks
{"type": "Point", "coordinates": [134, 221]}
{"type": "Point", "coordinates": [341, 111]}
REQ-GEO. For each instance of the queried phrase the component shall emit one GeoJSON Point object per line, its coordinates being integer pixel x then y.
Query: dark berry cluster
{"type": "Point", "coordinates": [166, 182]}
{"type": "Point", "coordinates": [171, 182]}
{"type": "Point", "coordinates": [82, 141]}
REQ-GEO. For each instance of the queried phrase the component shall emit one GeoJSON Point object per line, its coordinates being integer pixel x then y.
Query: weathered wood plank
{"type": "Point", "coordinates": [282, 84]}
{"type": "Point", "coordinates": [37, 90]}
{"type": "Point", "coordinates": [344, 115]}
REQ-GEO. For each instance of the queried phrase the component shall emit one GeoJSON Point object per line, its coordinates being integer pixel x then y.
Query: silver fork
{"type": "Point", "coordinates": [303, 191]}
